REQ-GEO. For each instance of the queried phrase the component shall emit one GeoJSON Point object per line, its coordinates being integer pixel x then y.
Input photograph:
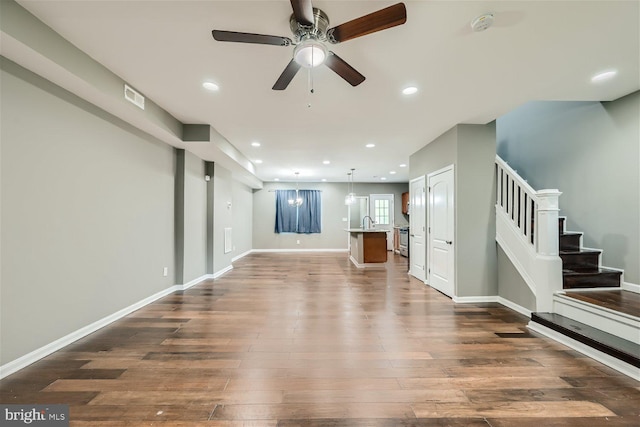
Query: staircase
{"type": "Point", "coordinates": [592, 313]}
{"type": "Point", "coordinates": [579, 302]}
{"type": "Point", "coordinates": [581, 267]}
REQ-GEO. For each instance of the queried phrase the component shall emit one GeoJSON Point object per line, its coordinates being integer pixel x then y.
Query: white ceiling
{"type": "Point", "coordinates": [536, 50]}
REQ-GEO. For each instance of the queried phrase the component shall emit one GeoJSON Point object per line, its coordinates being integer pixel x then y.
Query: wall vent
{"type": "Point", "coordinates": [133, 96]}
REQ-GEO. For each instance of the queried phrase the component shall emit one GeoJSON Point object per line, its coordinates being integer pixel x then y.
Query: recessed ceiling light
{"type": "Point", "coordinates": [370, 145]}
{"type": "Point", "coordinates": [276, 179]}
{"type": "Point", "coordinates": [409, 90]}
{"type": "Point", "coordinates": [403, 165]}
{"type": "Point", "coordinates": [324, 179]}
{"type": "Point", "coordinates": [210, 86]}
{"type": "Point", "coordinates": [392, 172]}
{"type": "Point", "coordinates": [603, 76]}
{"type": "Point", "coordinates": [258, 161]}
{"type": "Point", "coordinates": [382, 178]}
{"type": "Point", "coordinates": [326, 162]}
{"type": "Point", "coordinates": [255, 144]}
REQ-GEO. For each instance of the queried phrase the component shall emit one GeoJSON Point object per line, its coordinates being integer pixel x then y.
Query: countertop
{"type": "Point", "coordinates": [361, 230]}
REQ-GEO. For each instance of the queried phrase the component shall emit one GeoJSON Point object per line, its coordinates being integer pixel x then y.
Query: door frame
{"type": "Point", "coordinates": [423, 180]}
{"type": "Point", "coordinates": [391, 197]}
{"type": "Point", "coordinates": [428, 234]}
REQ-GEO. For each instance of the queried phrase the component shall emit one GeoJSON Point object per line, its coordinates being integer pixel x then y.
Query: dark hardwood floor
{"type": "Point", "coordinates": [619, 300]}
{"type": "Point", "coordinates": [310, 340]}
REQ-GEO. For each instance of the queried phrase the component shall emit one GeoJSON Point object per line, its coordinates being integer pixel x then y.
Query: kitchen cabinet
{"type": "Point", "coordinates": [405, 203]}
{"type": "Point", "coordinates": [368, 247]}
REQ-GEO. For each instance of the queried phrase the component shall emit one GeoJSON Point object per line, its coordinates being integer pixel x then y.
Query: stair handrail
{"type": "Point", "coordinates": [527, 230]}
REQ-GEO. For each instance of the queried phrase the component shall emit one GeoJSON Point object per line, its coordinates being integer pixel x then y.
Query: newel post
{"type": "Point", "coordinates": [547, 220]}
{"type": "Point", "coordinates": [549, 273]}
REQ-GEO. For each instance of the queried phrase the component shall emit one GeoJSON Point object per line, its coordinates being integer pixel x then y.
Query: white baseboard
{"type": "Point", "coordinates": [242, 255]}
{"type": "Point", "coordinates": [471, 300]}
{"type": "Point", "coordinates": [194, 282]}
{"type": "Point", "coordinates": [480, 299]}
{"type": "Point", "coordinates": [296, 250]}
{"type": "Point", "coordinates": [591, 352]}
{"type": "Point", "coordinates": [367, 265]}
{"type": "Point", "coordinates": [631, 287]}
{"type": "Point", "coordinates": [515, 307]}
{"type": "Point", "coordinates": [221, 272]}
{"type": "Point", "coordinates": [32, 357]}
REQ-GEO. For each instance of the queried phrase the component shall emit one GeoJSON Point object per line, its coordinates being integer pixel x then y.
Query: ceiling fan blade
{"type": "Point", "coordinates": [303, 11]}
{"type": "Point", "coordinates": [232, 36]}
{"type": "Point", "coordinates": [286, 76]}
{"type": "Point", "coordinates": [376, 21]}
{"type": "Point", "coordinates": [344, 70]}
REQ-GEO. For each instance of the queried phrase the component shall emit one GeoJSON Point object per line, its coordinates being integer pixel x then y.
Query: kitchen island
{"type": "Point", "coordinates": [368, 247]}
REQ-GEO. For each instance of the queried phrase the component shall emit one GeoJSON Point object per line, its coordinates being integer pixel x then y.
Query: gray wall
{"type": "Point", "coordinates": [511, 285]}
{"type": "Point", "coordinates": [590, 151]}
{"type": "Point", "coordinates": [334, 211]}
{"type": "Point", "coordinates": [476, 272]}
{"type": "Point", "coordinates": [222, 216]}
{"type": "Point", "coordinates": [195, 218]}
{"type": "Point", "coordinates": [242, 208]}
{"type": "Point", "coordinates": [87, 213]}
{"type": "Point", "coordinates": [471, 149]}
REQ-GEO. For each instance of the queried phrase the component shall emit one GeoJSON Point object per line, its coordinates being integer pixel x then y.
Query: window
{"type": "Point", "coordinates": [381, 212]}
{"type": "Point", "coordinates": [306, 218]}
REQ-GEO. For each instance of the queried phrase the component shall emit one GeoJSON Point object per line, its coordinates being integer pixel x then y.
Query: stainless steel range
{"type": "Point", "coordinates": [403, 246]}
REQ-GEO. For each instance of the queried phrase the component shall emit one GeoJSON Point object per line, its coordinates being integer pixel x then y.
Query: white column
{"type": "Point", "coordinates": [549, 271]}
{"type": "Point", "coordinates": [547, 222]}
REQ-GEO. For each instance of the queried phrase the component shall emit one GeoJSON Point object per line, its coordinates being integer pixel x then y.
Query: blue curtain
{"type": "Point", "coordinates": [286, 216]}
{"type": "Point", "coordinates": [309, 214]}
{"type": "Point", "coordinates": [306, 218]}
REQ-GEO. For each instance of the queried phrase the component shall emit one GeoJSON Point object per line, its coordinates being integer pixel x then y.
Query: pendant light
{"type": "Point", "coordinates": [298, 200]}
{"type": "Point", "coordinates": [351, 196]}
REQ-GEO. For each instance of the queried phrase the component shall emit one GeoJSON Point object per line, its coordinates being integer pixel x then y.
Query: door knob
{"type": "Point", "coordinates": [449, 242]}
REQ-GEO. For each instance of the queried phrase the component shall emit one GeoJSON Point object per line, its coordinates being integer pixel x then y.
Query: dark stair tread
{"type": "Point", "coordinates": [571, 233]}
{"type": "Point", "coordinates": [590, 277]}
{"type": "Point", "coordinates": [579, 252]}
{"type": "Point", "coordinates": [589, 271]}
{"type": "Point", "coordinates": [619, 300]}
{"type": "Point", "coordinates": [605, 342]}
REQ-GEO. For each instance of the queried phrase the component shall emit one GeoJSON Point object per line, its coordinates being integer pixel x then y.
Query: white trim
{"type": "Point", "coordinates": [613, 322]}
{"type": "Point", "coordinates": [515, 307]}
{"type": "Point", "coordinates": [471, 300]}
{"type": "Point", "coordinates": [509, 304]}
{"type": "Point", "coordinates": [193, 282]}
{"type": "Point", "coordinates": [367, 265]}
{"type": "Point", "coordinates": [631, 287]}
{"type": "Point", "coordinates": [32, 357]}
{"type": "Point", "coordinates": [591, 352]}
{"type": "Point", "coordinates": [515, 260]}
{"type": "Point", "coordinates": [221, 272]}
{"type": "Point", "coordinates": [242, 255]}
{"type": "Point", "coordinates": [296, 250]}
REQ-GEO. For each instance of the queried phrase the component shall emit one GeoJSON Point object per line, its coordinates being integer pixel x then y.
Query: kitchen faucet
{"type": "Point", "coordinates": [370, 219]}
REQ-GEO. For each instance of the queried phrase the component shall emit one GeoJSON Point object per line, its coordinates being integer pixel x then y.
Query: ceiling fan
{"type": "Point", "coordinates": [309, 26]}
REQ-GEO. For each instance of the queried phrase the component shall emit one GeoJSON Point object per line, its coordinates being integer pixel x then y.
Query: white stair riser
{"type": "Point", "coordinates": [614, 323]}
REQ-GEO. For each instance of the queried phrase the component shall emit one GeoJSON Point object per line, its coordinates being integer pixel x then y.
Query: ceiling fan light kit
{"type": "Point", "coordinates": [309, 27]}
{"type": "Point", "coordinates": [310, 53]}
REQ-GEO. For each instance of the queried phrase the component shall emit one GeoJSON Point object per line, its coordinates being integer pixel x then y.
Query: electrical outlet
{"type": "Point", "coordinates": [165, 271]}
{"type": "Point", "coordinates": [297, 242]}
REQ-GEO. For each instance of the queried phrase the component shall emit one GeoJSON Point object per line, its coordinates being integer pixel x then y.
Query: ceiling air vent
{"type": "Point", "coordinates": [132, 96]}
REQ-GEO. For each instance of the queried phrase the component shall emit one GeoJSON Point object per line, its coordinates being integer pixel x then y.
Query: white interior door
{"type": "Point", "coordinates": [381, 210]}
{"type": "Point", "coordinates": [417, 215]}
{"type": "Point", "coordinates": [441, 271]}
